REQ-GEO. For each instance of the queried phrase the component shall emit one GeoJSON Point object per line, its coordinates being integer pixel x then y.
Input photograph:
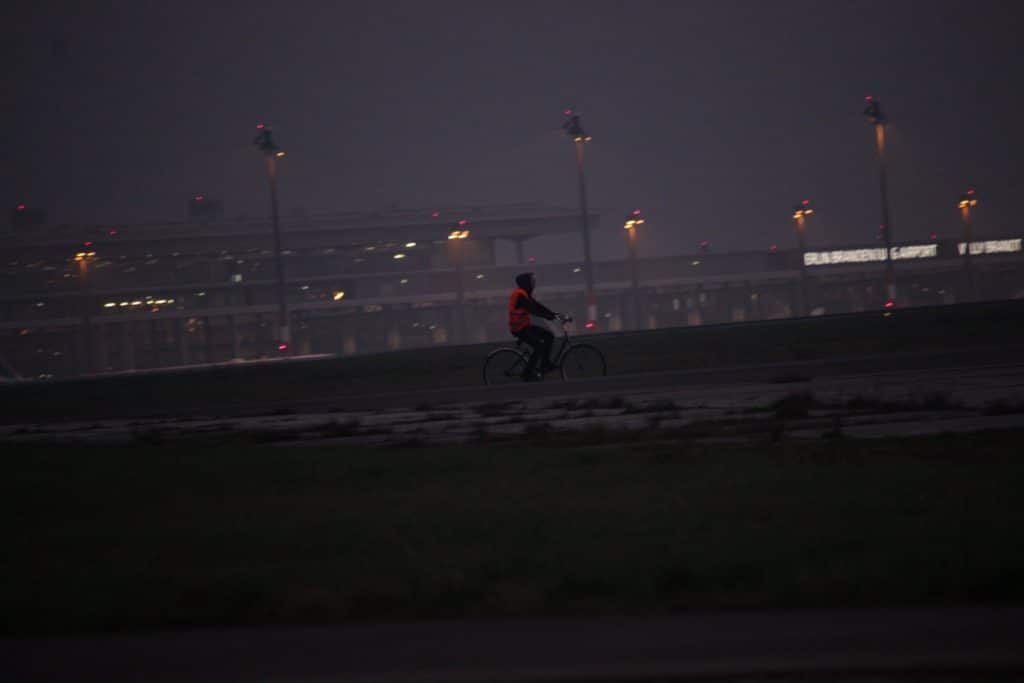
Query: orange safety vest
{"type": "Point", "coordinates": [518, 318]}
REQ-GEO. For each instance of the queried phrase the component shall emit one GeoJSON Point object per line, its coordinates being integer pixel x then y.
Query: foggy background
{"type": "Point", "coordinates": [713, 117]}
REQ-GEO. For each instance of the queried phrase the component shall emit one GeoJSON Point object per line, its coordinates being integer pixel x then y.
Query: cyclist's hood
{"type": "Point", "coordinates": [525, 281]}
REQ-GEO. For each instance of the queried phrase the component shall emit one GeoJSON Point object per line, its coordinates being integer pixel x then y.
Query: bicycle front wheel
{"type": "Point", "coordinates": [504, 366]}
{"type": "Point", "coordinates": [583, 361]}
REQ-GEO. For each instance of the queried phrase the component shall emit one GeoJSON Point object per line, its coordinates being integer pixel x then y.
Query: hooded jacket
{"type": "Point", "coordinates": [521, 304]}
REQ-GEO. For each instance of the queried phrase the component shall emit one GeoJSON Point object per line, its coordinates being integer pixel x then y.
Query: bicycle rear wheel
{"type": "Point", "coordinates": [583, 361]}
{"type": "Point", "coordinates": [504, 366]}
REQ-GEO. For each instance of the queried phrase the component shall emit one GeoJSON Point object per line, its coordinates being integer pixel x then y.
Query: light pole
{"type": "Point", "coordinates": [875, 116]}
{"type": "Point", "coordinates": [265, 143]}
{"type": "Point", "coordinates": [573, 128]}
{"type": "Point", "coordinates": [967, 202]}
{"type": "Point", "coordinates": [83, 258]}
{"type": "Point", "coordinates": [456, 239]}
{"type": "Point", "coordinates": [633, 219]}
{"type": "Point", "coordinates": [800, 213]}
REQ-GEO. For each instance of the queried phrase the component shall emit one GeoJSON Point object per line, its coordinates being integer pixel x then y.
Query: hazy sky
{"type": "Point", "coordinates": [713, 117]}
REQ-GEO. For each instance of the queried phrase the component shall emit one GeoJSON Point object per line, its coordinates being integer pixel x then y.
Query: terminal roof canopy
{"type": "Point", "coordinates": [315, 230]}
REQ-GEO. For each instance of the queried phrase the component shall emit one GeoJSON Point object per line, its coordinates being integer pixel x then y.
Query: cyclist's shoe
{"type": "Point", "coordinates": [534, 376]}
{"type": "Point", "coordinates": [548, 367]}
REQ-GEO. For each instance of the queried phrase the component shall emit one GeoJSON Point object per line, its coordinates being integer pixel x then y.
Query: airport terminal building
{"type": "Point", "coordinates": [84, 300]}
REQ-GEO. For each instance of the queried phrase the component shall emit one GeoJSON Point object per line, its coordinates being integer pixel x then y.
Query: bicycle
{"type": "Point", "coordinates": [573, 361]}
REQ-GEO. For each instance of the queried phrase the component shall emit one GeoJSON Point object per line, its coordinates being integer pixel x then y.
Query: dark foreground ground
{"type": "Point", "coordinates": [920, 645]}
{"type": "Point", "coordinates": [545, 555]}
{"type": "Point", "coordinates": [129, 538]}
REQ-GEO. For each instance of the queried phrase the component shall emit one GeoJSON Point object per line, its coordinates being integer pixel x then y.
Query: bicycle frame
{"type": "Point", "coordinates": [564, 347]}
{"type": "Point", "coordinates": [557, 358]}
{"type": "Point", "coordinates": [506, 369]}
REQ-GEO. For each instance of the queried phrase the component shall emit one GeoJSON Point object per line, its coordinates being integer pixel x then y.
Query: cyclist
{"type": "Point", "coordinates": [520, 305]}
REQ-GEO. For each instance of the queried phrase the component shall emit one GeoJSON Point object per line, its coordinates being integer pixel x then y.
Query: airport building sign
{"type": "Point", "coordinates": [910, 251]}
{"type": "Point", "coordinates": [914, 251]}
{"type": "Point", "coordinates": [991, 247]}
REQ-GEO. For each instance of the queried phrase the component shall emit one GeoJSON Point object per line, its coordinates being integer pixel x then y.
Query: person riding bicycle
{"type": "Point", "coordinates": [520, 305]}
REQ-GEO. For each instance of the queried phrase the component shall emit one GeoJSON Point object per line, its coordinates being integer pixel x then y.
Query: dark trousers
{"type": "Point", "coordinates": [541, 341]}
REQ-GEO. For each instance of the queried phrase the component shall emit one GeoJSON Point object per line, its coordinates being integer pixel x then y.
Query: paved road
{"type": "Point", "coordinates": [944, 364]}
{"type": "Point", "coordinates": [934, 398]}
{"type": "Point", "coordinates": [638, 361]}
{"type": "Point", "coordinates": [868, 645]}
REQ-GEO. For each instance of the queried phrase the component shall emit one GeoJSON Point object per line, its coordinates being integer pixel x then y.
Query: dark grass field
{"type": "Point", "coordinates": [246, 386]}
{"type": "Point", "coordinates": [161, 537]}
